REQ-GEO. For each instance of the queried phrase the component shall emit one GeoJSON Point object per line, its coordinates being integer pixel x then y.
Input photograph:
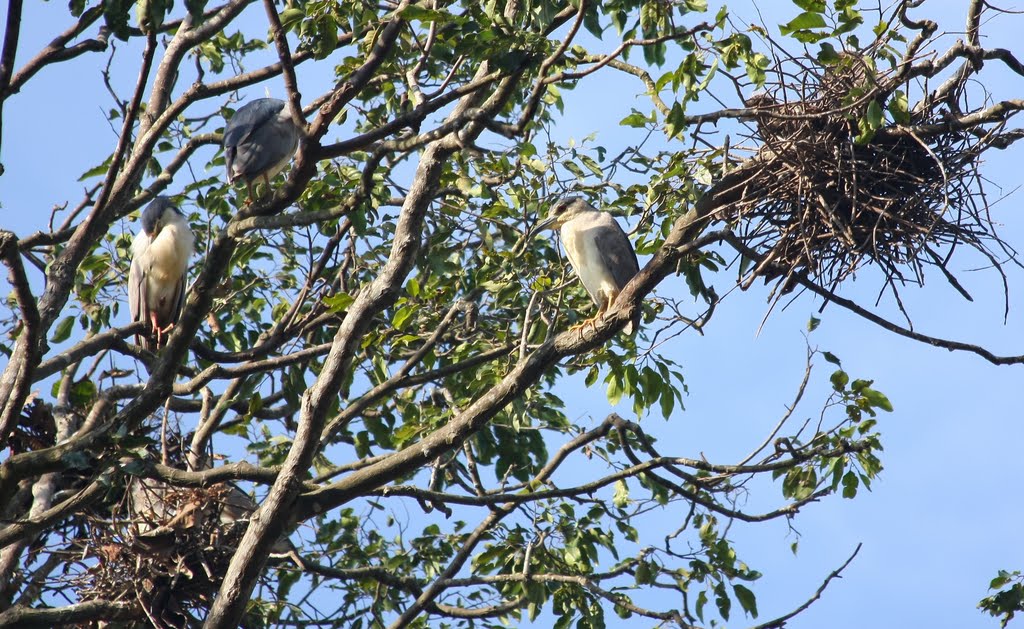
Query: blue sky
{"type": "Point", "coordinates": [946, 513]}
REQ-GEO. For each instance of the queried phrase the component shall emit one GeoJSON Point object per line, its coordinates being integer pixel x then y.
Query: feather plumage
{"type": "Point", "coordinates": [156, 279]}
{"type": "Point", "coordinates": [599, 251]}
{"type": "Point", "coordinates": [259, 140]}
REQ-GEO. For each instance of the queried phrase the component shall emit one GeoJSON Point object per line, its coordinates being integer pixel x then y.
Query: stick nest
{"type": "Point", "coordinates": [165, 549]}
{"type": "Point", "coordinates": [825, 205]}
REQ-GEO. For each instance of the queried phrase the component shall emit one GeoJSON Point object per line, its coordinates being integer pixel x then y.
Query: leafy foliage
{"type": "Point", "coordinates": [1009, 599]}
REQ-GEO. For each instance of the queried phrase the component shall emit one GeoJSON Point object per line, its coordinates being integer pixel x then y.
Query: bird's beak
{"type": "Point", "coordinates": [544, 224]}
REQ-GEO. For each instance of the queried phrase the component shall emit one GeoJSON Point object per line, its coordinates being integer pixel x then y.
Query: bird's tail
{"type": "Point", "coordinates": [631, 326]}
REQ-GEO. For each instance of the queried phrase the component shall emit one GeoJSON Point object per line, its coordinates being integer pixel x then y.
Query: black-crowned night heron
{"type": "Point", "coordinates": [259, 141]}
{"type": "Point", "coordinates": [156, 281]}
{"type": "Point", "coordinates": [158, 520]}
{"type": "Point", "coordinates": [598, 250]}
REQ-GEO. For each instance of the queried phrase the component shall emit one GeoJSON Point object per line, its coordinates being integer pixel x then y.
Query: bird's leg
{"type": "Point", "coordinates": [154, 327]}
{"type": "Point", "coordinates": [592, 321]}
{"type": "Point", "coordinates": [160, 332]}
{"type": "Point", "coordinates": [252, 194]}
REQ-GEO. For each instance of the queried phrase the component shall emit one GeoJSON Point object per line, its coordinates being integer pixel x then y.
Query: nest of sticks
{"type": "Point", "coordinates": [826, 205]}
{"type": "Point", "coordinates": [165, 549]}
{"type": "Point", "coordinates": [161, 548]}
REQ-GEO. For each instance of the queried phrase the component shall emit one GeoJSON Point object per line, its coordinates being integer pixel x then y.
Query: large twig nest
{"type": "Point", "coordinates": [833, 198]}
{"type": "Point", "coordinates": [166, 550]}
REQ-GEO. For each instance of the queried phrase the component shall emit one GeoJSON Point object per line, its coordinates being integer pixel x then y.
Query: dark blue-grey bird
{"type": "Point", "coordinates": [156, 280]}
{"type": "Point", "coordinates": [598, 249]}
{"type": "Point", "coordinates": [259, 141]}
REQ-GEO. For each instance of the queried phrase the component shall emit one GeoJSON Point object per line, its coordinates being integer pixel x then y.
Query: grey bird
{"type": "Point", "coordinates": [259, 141]}
{"type": "Point", "coordinates": [598, 249]}
{"type": "Point", "coordinates": [156, 280]}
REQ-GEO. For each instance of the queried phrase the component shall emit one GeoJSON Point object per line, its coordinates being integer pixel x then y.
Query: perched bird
{"type": "Point", "coordinates": [158, 520]}
{"type": "Point", "coordinates": [156, 281]}
{"type": "Point", "coordinates": [598, 249]}
{"type": "Point", "coordinates": [259, 141]}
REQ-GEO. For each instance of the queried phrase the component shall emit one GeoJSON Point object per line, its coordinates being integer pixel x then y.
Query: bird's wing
{"type": "Point", "coordinates": [138, 297]}
{"type": "Point", "coordinates": [177, 302]}
{"type": "Point", "coordinates": [249, 118]}
{"type": "Point", "coordinates": [617, 253]}
{"type": "Point", "coordinates": [266, 147]}
{"type": "Point", "coordinates": [240, 128]}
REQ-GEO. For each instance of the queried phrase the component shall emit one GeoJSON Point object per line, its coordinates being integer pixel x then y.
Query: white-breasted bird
{"type": "Point", "coordinates": [598, 249]}
{"type": "Point", "coordinates": [156, 280]}
{"type": "Point", "coordinates": [259, 141]}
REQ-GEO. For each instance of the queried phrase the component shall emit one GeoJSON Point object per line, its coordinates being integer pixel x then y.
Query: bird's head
{"type": "Point", "coordinates": [564, 210]}
{"type": "Point", "coordinates": [158, 214]}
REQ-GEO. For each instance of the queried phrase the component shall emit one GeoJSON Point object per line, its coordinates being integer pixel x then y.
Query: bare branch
{"type": "Point", "coordinates": [780, 622]}
{"type": "Point", "coordinates": [19, 616]}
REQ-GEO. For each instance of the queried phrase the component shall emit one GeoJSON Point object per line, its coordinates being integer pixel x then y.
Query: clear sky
{"type": "Point", "coordinates": [946, 513]}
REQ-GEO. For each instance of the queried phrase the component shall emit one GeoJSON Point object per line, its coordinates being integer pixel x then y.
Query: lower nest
{"type": "Point", "coordinates": [168, 557]}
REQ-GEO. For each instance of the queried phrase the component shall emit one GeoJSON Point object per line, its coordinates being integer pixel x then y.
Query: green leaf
{"type": "Point", "coordinates": [614, 389]}
{"type": "Point", "coordinates": [83, 392]}
{"type": "Point", "coordinates": [828, 55]}
{"type": "Point", "coordinates": [621, 612]}
{"type": "Point", "coordinates": [291, 17]}
{"type": "Point", "coordinates": [746, 598]}
{"type": "Point", "coordinates": [338, 302]}
{"type": "Point", "coordinates": [830, 357]}
{"type": "Point", "coordinates": [756, 66]}
{"type": "Point", "coordinates": [813, 324]}
{"type": "Point", "coordinates": [702, 600]}
{"type": "Point", "coordinates": [592, 166]}
{"type": "Point", "coordinates": [414, 12]}
{"type": "Point", "coordinates": [403, 315]}
{"type": "Point", "coordinates": [804, 21]}
{"type": "Point", "coordinates": [676, 121]}
{"type": "Point", "coordinates": [722, 601]}
{"type": "Point", "coordinates": [667, 402]}
{"type": "Point", "coordinates": [255, 403]}
{"type": "Point", "coordinates": [811, 5]}
{"type": "Point", "coordinates": [877, 399]}
{"type": "Point", "coordinates": [63, 330]}
{"type": "Point", "coordinates": [115, 14]}
{"type": "Point", "coordinates": [96, 171]}
{"type": "Point", "coordinates": [839, 379]}
{"type": "Point", "coordinates": [899, 107]}
{"type": "Point", "coordinates": [621, 496]}
{"type": "Point", "coordinates": [1001, 579]}
{"type": "Point", "coordinates": [874, 115]}
{"type": "Point", "coordinates": [645, 573]}
{"type": "Point", "coordinates": [850, 483]}
{"type": "Point", "coordinates": [328, 40]}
